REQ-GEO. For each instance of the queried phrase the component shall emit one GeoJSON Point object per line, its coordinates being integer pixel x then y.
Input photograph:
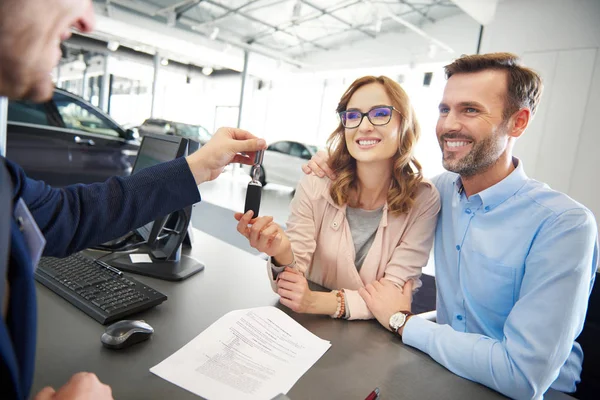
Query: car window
{"type": "Point", "coordinates": [299, 150]}
{"type": "Point", "coordinates": [204, 134]}
{"type": "Point", "coordinates": [280, 147]}
{"type": "Point", "coordinates": [187, 131]}
{"type": "Point", "coordinates": [25, 111]}
{"type": "Point", "coordinates": [77, 115]}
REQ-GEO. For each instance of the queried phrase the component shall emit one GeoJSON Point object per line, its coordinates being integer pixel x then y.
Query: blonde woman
{"type": "Point", "coordinates": [374, 222]}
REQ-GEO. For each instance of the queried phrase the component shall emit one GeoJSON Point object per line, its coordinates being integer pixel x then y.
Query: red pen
{"type": "Point", "coordinates": [373, 395]}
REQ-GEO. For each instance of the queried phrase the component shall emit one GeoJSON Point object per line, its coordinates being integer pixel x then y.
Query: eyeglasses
{"type": "Point", "coordinates": [378, 116]}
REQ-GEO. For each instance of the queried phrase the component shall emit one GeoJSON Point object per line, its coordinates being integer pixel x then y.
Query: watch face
{"type": "Point", "coordinates": [397, 320]}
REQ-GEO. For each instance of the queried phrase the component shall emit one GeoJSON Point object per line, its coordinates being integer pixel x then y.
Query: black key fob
{"type": "Point", "coordinates": [254, 190]}
{"type": "Point", "coordinates": [253, 194]}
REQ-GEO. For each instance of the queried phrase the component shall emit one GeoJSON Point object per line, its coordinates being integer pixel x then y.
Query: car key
{"type": "Point", "coordinates": [254, 190]}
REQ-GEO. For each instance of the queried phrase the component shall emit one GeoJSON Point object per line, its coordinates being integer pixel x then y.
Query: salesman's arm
{"type": "Point", "coordinates": [541, 328]}
{"type": "Point", "coordinates": [80, 216]}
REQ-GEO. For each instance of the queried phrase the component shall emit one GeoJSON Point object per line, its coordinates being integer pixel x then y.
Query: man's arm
{"type": "Point", "coordinates": [80, 216]}
{"type": "Point", "coordinates": [541, 328]}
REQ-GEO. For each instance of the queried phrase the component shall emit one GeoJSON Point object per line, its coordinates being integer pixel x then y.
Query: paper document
{"type": "Point", "coordinates": [252, 354]}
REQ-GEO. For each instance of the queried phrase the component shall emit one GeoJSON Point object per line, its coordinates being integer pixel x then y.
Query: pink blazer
{"type": "Point", "coordinates": [324, 250]}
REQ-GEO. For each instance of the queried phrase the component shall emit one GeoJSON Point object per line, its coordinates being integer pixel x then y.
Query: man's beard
{"type": "Point", "coordinates": [482, 156]}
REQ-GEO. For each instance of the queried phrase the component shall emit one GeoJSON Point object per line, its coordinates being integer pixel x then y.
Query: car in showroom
{"type": "Point", "coordinates": [197, 134]}
{"type": "Point", "coordinates": [282, 162]}
{"type": "Point", "coordinates": [67, 140]}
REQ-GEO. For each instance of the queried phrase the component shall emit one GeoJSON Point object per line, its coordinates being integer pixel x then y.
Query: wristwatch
{"type": "Point", "coordinates": [398, 320]}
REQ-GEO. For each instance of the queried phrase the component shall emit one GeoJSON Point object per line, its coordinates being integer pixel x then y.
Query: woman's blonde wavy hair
{"type": "Point", "coordinates": [407, 172]}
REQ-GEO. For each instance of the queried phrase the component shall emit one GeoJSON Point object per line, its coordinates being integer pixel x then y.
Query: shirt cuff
{"type": "Point", "coordinates": [417, 333]}
{"type": "Point", "coordinates": [275, 269]}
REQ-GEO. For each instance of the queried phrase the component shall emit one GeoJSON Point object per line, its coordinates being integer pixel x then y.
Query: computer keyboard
{"type": "Point", "coordinates": [101, 291]}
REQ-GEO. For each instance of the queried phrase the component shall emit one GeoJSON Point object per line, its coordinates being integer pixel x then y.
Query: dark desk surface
{"type": "Point", "coordinates": [363, 355]}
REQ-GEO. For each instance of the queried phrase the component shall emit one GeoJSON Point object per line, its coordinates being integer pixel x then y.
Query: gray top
{"type": "Point", "coordinates": [363, 226]}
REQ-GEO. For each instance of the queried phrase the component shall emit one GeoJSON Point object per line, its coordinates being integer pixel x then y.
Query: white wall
{"type": "Point", "coordinates": [561, 40]}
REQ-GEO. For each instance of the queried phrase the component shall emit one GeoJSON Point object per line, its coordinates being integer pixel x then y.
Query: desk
{"type": "Point", "coordinates": [363, 355]}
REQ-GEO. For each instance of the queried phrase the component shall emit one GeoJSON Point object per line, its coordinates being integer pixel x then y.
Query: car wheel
{"type": "Point", "coordinates": [262, 176]}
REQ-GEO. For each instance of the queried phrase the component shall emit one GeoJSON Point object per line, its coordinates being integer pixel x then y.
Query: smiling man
{"type": "Point", "coordinates": [515, 260]}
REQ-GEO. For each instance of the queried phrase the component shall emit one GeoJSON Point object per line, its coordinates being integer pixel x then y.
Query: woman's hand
{"type": "Point", "coordinates": [264, 235]}
{"type": "Point", "coordinates": [293, 289]}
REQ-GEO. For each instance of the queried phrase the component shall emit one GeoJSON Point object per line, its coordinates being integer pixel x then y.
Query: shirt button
{"type": "Point", "coordinates": [459, 317]}
{"type": "Point", "coordinates": [468, 211]}
{"type": "Point", "coordinates": [487, 208]}
{"type": "Point", "coordinates": [335, 224]}
{"type": "Point", "coordinates": [458, 247]}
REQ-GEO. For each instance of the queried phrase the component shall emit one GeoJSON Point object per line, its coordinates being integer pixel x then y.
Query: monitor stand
{"type": "Point", "coordinates": [163, 259]}
{"type": "Point", "coordinates": [142, 262]}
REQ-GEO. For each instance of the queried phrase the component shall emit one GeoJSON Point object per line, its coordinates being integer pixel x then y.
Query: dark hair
{"type": "Point", "coordinates": [524, 85]}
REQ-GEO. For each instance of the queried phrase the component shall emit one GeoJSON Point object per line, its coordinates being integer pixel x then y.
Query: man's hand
{"type": "Point", "coordinates": [228, 145]}
{"type": "Point", "coordinates": [82, 386]}
{"type": "Point", "coordinates": [385, 299]}
{"type": "Point", "coordinates": [318, 165]}
{"type": "Point", "coordinates": [264, 235]}
{"type": "Point", "coordinates": [294, 293]}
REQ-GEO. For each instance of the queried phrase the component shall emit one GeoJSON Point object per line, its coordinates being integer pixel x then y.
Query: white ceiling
{"type": "Point", "coordinates": [292, 32]}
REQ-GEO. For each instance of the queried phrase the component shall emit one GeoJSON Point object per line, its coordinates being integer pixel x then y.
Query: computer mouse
{"type": "Point", "coordinates": [125, 333]}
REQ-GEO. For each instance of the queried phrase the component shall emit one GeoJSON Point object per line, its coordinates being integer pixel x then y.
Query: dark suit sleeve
{"type": "Point", "coordinates": [81, 216]}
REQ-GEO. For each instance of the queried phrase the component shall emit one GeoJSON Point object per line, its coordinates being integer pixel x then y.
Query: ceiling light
{"type": "Point", "coordinates": [79, 64]}
{"type": "Point", "coordinates": [164, 61]}
{"type": "Point", "coordinates": [112, 45]}
{"type": "Point", "coordinates": [297, 10]}
{"type": "Point", "coordinates": [207, 71]}
{"type": "Point", "coordinates": [377, 25]}
{"type": "Point", "coordinates": [171, 19]}
{"type": "Point", "coordinates": [214, 33]}
{"type": "Point", "coordinates": [432, 50]}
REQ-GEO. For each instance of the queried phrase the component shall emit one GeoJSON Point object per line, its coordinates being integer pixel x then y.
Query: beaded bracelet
{"type": "Point", "coordinates": [340, 310]}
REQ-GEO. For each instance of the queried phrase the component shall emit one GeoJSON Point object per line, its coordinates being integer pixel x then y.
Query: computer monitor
{"type": "Point", "coordinates": [156, 149]}
{"type": "Point", "coordinates": [161, 254]}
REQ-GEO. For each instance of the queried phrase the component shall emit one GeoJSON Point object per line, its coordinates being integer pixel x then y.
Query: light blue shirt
{"type": "Point", "coordinates": [515, 265]}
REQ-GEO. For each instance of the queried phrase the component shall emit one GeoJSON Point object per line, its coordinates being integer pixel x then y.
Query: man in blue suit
{"type": "Point", "coordinates": [79, 216]}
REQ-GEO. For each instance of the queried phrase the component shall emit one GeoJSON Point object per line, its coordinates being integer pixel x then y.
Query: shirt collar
{"type": "Point", "coordinates": [501, 191]}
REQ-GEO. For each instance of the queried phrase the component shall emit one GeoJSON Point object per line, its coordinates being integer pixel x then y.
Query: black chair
{"type": "Point", "coordinates": [589, 339]}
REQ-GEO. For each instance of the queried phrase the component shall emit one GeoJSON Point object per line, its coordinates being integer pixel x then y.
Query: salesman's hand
{"type": "Point", "coordinates": [82, 386]}
{"type": "Point", "coordinates": [384, 299]}
{"type": "Point", "coordinates": [318, 166]}
{"type": "Point", "coordinates": [263, 233]}
{"type": "Point", "coordinates": [228, 145]}
{"type": "Point", "coordinates": [294, 293]}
